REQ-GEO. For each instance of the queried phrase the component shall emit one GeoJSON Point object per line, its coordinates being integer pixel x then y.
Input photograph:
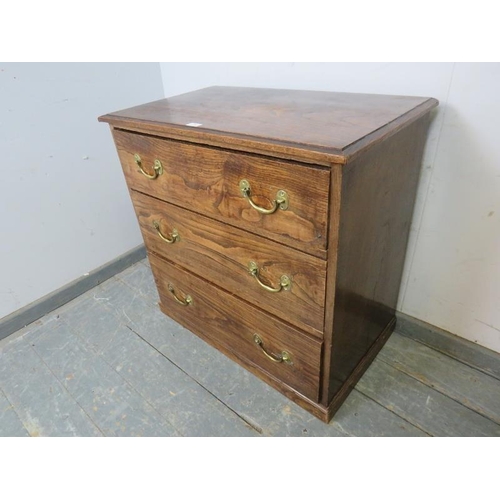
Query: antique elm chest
{"type": "Point", "coordinates": [276, 224]}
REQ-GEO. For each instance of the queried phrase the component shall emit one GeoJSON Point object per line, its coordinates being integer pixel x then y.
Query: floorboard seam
{"type": "Point", "coordinates": [15, 411]}
{"type": "Point", "coordinates": [250, 424]}
{"type": "Point", "coordinates": [65, 389]}
{"type": "Point", "coordinates": [444, 353]}
{"type": "Point", "coordinates": [152, 305]}
{"type": "Point", "coordinates": [340, 428]}
{"type": "Point", "coordinates": [394, 413]}
{"type": "Point", "coordinates": [76, 332]}
{"type": "Point", "coordinates": [434, 388]}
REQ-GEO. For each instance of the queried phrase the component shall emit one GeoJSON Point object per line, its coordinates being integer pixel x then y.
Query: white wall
{"type": "Point", "coordinates": [64, 206]}
{"type": "Point", "coordinates": [452, 272]}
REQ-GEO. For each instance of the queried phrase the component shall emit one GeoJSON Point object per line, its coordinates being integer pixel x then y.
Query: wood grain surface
{"type": "Point", "coordinates": [220, 253]}
{"type": "Point", "coordinates": [378, 194]}
{"type": "Point", "coordinates": [331, 279]}
{"type": "Point", "coordinates": [206, 180]}
{"type": "Point", "coordinates": [273, 119]}
{"type": "Point", "coordinates": [226, 320]}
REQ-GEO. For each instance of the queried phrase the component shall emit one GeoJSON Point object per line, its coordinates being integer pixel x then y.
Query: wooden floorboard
{"type": "Point", "coordinates": [116, 408]}
{"type": "Point", "coordinates": [191, 409]}
{"type": "Point", "coordinates": [10, 423]}
{"type": "Point", "coordinates": [110, 363]}
{"type": "Point", "coordinates": [426, 408]}
{"type": "Point", "coordinates": [469, 353]}
{"type": "Point", "coordinates": [464, 384]}
{"type": "Point", "coordinates": [43, 405]}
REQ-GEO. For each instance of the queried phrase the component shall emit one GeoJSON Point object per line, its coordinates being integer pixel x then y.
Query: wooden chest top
{"type": "Point", "coordinates": [321, 127]}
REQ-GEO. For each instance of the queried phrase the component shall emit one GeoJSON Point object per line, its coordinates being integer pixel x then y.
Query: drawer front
{"type": "Point", "coordinates": [252, 335]}
{"type": "Point", "coordinates": [221, 254]}
{"type": "Point", "coordinates": [208, 181]}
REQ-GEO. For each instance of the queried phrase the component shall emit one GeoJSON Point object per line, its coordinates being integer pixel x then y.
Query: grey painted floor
{"type": "Point", "coordinates": [110, 363]}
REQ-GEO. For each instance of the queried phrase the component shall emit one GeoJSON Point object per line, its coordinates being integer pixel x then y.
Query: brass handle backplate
{"type": "Point", "coordinates": [157, 168]}
{"type": "Point", "coordinates": [183, 302]}
{"type": "Point", "coordinates": [282, 357]}
{"type": "Point", "coordinates": [280, 202]}
{"type": "Point", "coordinates": [285, 281]}
{"type": "Point", "coordinates": [173, 237]}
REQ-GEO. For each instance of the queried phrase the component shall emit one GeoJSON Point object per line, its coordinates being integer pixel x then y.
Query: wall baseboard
{"type": "Point", "coordinates": [456, 347]}
{"type": "Point", "coordinates": [34, 311]}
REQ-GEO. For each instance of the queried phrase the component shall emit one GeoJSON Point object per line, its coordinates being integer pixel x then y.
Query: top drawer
{"type": "Point", "coordinates": [209, 181]}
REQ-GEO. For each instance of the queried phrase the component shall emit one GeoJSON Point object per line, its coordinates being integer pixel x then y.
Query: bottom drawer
{"type": "Point", "coordinates": [276, 348]}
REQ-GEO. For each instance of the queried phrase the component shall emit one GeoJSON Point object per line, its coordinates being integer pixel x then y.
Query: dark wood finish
{"type": "Point", "coordinates": [223, 253]}
{"type": "Point", "coordinates": [224, 319]}
{"type": "Point", "coordinates": [392, 128]}
{"type": "Point", "coordinates": [353, 378]}
{"type": "Point", "coordinates": [206, 180]}
{"type": "Point", "coordinates": [331, 277]}
{"type": "Point", "coordinates": [378, 194]}
{"type": "Point", "coordinates": [273, 121]}
{"type": "Point", "coordinates": [350, 164]}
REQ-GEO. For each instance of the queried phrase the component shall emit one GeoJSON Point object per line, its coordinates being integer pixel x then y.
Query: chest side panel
{"type": "Point", "coordinates": [377, 200]}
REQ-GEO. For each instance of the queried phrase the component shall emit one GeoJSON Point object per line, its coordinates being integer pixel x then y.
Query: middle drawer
{"type": "Point", "coordinates": [278, 279]}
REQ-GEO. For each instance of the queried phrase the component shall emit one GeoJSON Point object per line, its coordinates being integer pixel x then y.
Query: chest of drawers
{"type": "Point", "coordinates": [276, 224]}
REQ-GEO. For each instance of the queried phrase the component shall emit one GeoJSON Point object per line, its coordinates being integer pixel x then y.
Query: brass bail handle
{"type": "Point", "coordinates": [282, 357]}
{"type": "Point", "coordinates": [174, 236]}
{"type": "Point", "coordinates": [183, 302]}
{"type": "Point", "coordinates": [284, 284]}
{"type": "Point", "coordinates": [157, 168]}
{"type": "Point", "coordinates": [280, 202]}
